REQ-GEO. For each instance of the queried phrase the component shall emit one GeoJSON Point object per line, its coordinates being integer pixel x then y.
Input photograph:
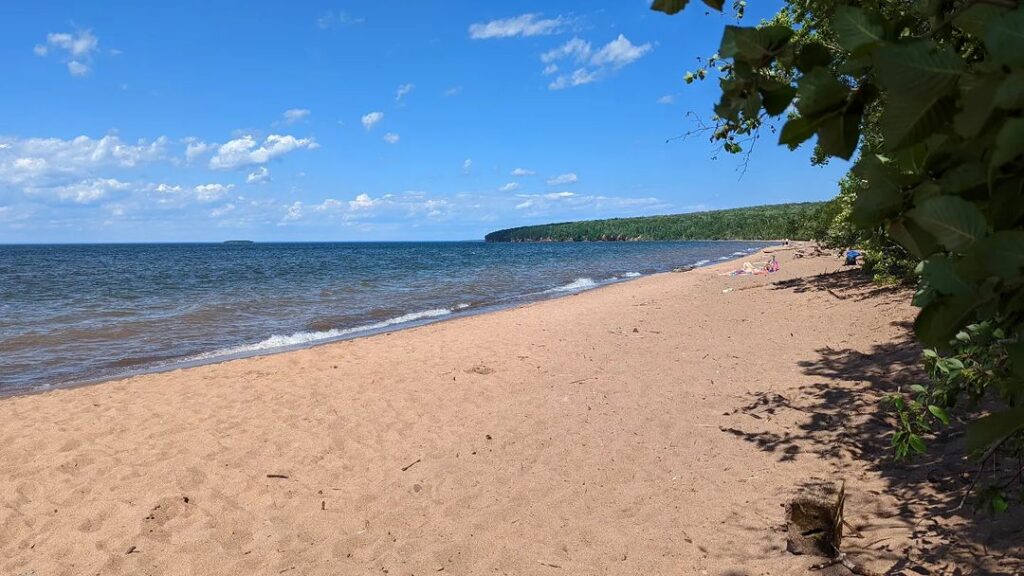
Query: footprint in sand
{"type": "Point", "coordinates": [480, 369]}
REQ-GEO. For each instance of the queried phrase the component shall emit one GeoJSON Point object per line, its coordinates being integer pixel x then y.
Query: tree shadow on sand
{"type": "Point", "coordinates": [841, 418]}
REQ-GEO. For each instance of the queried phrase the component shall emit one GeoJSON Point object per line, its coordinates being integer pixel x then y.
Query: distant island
{"type": "Point", "coordinates": [239, 242]}
{"type": "Point", "coordinates": [770, 222]}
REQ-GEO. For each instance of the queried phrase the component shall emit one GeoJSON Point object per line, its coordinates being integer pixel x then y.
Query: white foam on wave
{"type": "Point", "coordinates": [739, 253]}
{"type": "Point", "coordinates": [300, 338]}
{"type": "Point", "coordinates": [574, 286]}
{"type": "Point", "coordinates": [701, 262]}
{"type": "Point", "coordinates": [632, 275]}
{"type": "Point", "coordinates": [723, 257]}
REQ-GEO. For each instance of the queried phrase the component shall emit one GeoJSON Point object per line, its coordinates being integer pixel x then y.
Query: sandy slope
{"type": "Point", "coordinates": [653, 427]}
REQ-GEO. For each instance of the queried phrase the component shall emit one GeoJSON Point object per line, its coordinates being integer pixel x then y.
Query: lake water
{"type": "Point", "coordinates": [74, 313]}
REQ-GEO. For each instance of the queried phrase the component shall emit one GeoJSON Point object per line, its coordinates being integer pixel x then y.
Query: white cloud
{"type": "Point", "coordinates": [76, 49]}
{"type": "Point", "coordinates": [294, 212]}
{"type": "Point", "coordinates": [371, 119]}
{"type": "Point", "coordinates": [562, 179]}
{"type": "Point", "coordinates": [222, 210]}
{"type": "Point", "coordinates": [523, 25]}
{"type": "Point", "coordinates": [362, 202]}
{"type": "Point", "coordinates": [520, 172]}
{"type": "Point", "coordinates": [293, 115]}
{"type": "Point", "coordinates": [90, 191]}
{"type": "Point", "coordinates": [667, 99]}
{"type": "Point", "coordinates": [258, 176]}
{"type": "Point", "coordinates": [524, 205]}
{"type": "Point", "coordinates": [467, 165]}
{"type": "Point", "coordinates": [404, 91]}
{"type": "Point", "coordinates": [247, 151]}
{"type": "Point", "coordinates": [591, 66]}
{"type": "Point", "coordinates": [211, 192]}
{"type": "Point", "coordinates": [43, 162]}
{"type": "Point", "coordinates": [194, 148]}
{"type": "Point", "coordinates": [577, 49]}
{"type": "Point", "coordinates": [392, 138]}
{"type": "Point", "coordinates": [509, 187]}
{"type": "Point", "coordinates": [331, 19]}
{"type": "Point", "coordinates": [76, 68]}
{"type": "Point", "coordinates": [619, 52]}
{"type": "Point", "coordinates": [453, 91]}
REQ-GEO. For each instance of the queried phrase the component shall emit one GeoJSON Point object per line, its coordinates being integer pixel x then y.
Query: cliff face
{"type": "Point", "coordinates": [772, 222]}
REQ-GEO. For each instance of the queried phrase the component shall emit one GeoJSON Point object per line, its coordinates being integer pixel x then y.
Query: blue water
{"type": "Point", "coordinates": [75, 313]}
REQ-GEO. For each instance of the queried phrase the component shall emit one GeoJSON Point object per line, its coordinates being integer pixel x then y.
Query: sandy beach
{"type": "Point", "coordinates": [651, 427]}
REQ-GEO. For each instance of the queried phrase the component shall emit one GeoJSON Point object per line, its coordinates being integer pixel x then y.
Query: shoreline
{"type": "Point", "coordinates": [356, 332]}
{"type": "Point", "coordinates": [650, 427]}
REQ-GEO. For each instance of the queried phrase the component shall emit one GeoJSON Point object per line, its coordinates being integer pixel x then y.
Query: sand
{"type": "Point", "coordinates": [652, 427]}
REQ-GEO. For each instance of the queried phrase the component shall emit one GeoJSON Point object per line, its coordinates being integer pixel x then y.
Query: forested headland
{"type": "Point", "coordinates": [771, 222]}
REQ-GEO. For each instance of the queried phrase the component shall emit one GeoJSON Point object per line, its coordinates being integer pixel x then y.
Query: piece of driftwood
{"type": "Point", "coordinates": [814, 519]}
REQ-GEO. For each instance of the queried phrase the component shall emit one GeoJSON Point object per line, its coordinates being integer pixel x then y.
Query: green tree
{"type": "Point", "coordinates": [929, 97]}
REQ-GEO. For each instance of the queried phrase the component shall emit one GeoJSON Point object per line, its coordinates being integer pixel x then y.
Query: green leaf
{"type": "Point", "coordinates": [882, 197]}
{"type": "Point", "coordinates": [940, 275]}
{"type": "Point", "coordinates": [917, 444]}
{"type": "Point", "coordinates": [754, 45]}
{"type": "Point", "coordinates": [956, 223]}
{"type": "Point", "coordinates": [918, 389]}
{"type": "Point", "coordinates": [919, 77]}
{"type": "Point", "coordinates": [796, 131]}
{"type": "Point", "coordinates": [813, 55]}
{"type": "Point", "coordinates": [912, 237]}
{"type": "Point", "coordinates": [857, 28]}
{"type": "Point", "coordinates": [669, 6]}
{"type": "Point", "coordinates": [1004, 38]}
{"type": "Point", "coordinates": [776, 99]}
{"type": "Point", "coordinates": [820, 93]}
{"type": "Point", "coordinates": [1010, 95]}
{"type": "Point", "coordinates": [940, 320]}
{"type": "Point", "coordinates": [838, 135]}
{"type": "Point", "coordinates": [1003, 254]}
{"type": "Point", "coordinates": [978, 100]}
{"type": "Point", "coordinates": [976, 17]}
{"type": "Point", "coordinates": [1009, 142]}
{"type": "Point", "coordinates": [994, 428]}
{"type": "Point", "coordinates": [939, 413]}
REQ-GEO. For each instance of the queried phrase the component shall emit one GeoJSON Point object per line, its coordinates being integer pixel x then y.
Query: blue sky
{"type": "Point", "coordinates": [268, 120]}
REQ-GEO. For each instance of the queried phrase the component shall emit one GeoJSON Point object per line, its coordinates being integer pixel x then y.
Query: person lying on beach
{"type": "Point", "coordinates": [748, 269]}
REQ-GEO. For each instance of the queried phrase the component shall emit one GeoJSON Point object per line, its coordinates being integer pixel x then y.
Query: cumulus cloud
{"type": "Point", "coordinates": [467, 165]}
{"type": "Point", "coordinates": [89, 191]}
{"type": "Point", "coordinates": [403, 91]}
{"type": "Point", "coordinates": [392, 138]}
{"type": "Point", "coordinates": [520, 172]}
{"type": "Point", "coordinates": [522, 25]}
{"type": "Point", "coordinates": [293, 115]}
{"type": "Point", "coordinates": [74, 49]}
{"type": "Point", "coordinates": [509, 187]}
{"type": "Point", "coordinates": [258, 176]}
{"type": "Point", "coordinates": [371, 119]}
{"type": "Point", "coordinates": [619, 52]}
{"type": "Point", "coordinates": [48, 161]}
{"type": "Point", "coordinates": [590, 65]}
{"type": "Point", "coordinates": [563, 179]}
{"type": "Point", "coordinates": [247, 151]}
{"type": "Point", "coordinates": [195, 148]}
{"type": "Point", "coordinates": [211, 192]}
{"type": "Point", "coordinates": [362, 202]}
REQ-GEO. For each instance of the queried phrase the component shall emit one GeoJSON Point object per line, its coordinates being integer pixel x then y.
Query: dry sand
{"type": "Point", "coordinates": [654, 427]}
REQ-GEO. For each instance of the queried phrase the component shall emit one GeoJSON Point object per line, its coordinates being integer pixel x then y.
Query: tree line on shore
{"type": "Point", "coordinates": [771, 222]}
